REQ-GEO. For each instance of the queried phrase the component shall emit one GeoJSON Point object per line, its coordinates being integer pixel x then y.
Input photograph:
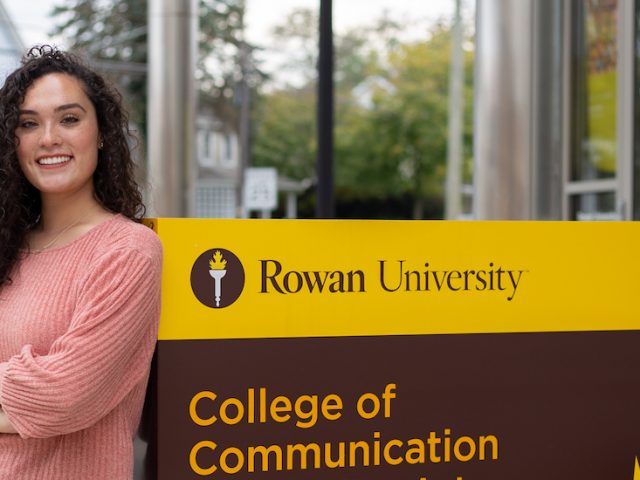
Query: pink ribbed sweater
{"type": "Point", "coordinates": [78, 327]}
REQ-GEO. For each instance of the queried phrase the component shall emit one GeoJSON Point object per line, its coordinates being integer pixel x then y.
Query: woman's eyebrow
{"type": "Point", "coordinates": [66, 106]}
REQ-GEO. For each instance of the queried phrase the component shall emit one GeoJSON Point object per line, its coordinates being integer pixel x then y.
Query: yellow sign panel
{"type": "Point", "coordinates": [276, 279]}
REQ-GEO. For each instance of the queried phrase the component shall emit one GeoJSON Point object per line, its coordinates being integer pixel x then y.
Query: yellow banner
{"type": "Point", "coordinates": [307, 278]}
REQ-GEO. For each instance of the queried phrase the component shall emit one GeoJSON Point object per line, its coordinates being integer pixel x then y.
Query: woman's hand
{"type": "Point", "coordinates": [5, 425]}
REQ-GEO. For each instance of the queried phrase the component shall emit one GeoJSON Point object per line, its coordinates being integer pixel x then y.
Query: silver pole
{"type": "Point", "coordinates": [453, 204]}
{"type": "Point", "coordinates": [171, 105]}
{"type": "Point", "coordinates": [245, 120]}
{"type": "Point", "coordinates": [502, 110]}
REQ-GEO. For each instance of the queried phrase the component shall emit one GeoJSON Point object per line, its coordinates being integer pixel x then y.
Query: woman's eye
{"type": "Point", "coordinates": [27, 124]}
{"type": "Point", "coordinates": [70, 119]}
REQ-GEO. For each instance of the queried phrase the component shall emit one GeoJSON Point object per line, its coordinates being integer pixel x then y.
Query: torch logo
{"type": "Point", "coordinates": [217, 266]}
{"type": "Point", "coordinates": [217, 278]}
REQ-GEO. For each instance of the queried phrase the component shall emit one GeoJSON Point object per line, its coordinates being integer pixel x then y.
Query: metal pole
{"type": "Point", "coordinates": [324, 203]}
{"type": "Point", "coordinates": [171, 104]}
{"type": "Point", "coordinates": [453, 204]}
{"type": "Point", "coordinates": [244, 128]}
{"type": "Point", "coordinates": [502, 110]}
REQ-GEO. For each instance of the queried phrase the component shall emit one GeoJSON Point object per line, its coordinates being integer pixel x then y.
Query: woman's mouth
{"type": "Point", "coordinates": [57, 160]}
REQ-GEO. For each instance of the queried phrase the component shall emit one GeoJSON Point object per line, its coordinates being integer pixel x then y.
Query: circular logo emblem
{"type": "Point", "coordinates": [217, 278]}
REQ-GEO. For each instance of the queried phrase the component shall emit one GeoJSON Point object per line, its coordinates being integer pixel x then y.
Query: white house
{"type": "Point", "coordinates": [217, 170]}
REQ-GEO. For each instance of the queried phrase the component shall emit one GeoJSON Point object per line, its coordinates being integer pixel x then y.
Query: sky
{"type": "Point", "coordinates": [31, 16]}
{"type": "Point", "coordinates": [31, 20]}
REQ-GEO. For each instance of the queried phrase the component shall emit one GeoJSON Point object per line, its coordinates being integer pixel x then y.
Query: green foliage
{"type": "Point", "coordinates": [219, 41]}
{"type": "Point", "coordinates": [391, 115]}
{"type": "Point", "coordinates": [286, 132]}
{"type": "Point", "coordinates": [298, 35]}
{"type": "Point", "coordinates": [398, 143]}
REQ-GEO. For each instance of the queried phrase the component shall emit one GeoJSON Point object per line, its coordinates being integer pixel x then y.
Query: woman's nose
{"type": "Point", "coordinates": [50, 136]}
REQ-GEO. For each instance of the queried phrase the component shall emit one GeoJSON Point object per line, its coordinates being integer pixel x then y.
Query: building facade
{"type": "Point", "coordinates": [218, 167]}
{"type": "Point", "coordinates": [556, 110]}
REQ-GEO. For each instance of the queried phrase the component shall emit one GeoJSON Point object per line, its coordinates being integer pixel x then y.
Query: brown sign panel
{"type": "Point", "coordinates": [525, 406]}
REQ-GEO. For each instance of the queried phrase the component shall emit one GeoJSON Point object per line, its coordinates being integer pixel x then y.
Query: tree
{"type": "Point", "coordinates": [113, 34]}
{"type": "Point", "coordinates": [391, 115]}
{"type": "Point", "coordinates": [285, 116]}
{"type": "Point", "coordinates": [285, 130]}
{"type": "Point", "coordinates": [398, 144]}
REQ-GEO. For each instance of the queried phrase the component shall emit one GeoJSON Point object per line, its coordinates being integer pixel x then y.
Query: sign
{"type": "Point", "coordinates": [398, 350]}
{"type": "Point", "coordinates": [260, 188]}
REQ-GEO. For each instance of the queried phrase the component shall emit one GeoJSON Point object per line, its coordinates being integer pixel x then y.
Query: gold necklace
{"type": "Point", "coordinates": [59, 234]}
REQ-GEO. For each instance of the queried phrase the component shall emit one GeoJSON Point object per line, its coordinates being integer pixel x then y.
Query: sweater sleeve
{"type": "Point", "coordinates": [3, 369]}
{"type": "Point", "coordinates": [103, 355]}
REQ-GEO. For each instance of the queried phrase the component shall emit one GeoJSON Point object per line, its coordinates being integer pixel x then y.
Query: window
{"type": "Point", "coordinates": [598, 166]}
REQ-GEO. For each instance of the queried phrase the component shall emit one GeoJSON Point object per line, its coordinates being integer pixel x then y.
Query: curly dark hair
{"type": "Point", "coordinates": [114, 177]}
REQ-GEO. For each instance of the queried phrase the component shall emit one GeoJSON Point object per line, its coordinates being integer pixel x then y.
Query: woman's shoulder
{"type": "Point", "coordinates": [120, 233]}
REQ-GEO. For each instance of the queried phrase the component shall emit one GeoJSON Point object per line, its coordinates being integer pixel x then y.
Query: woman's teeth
{"type": "Point", "coordinates": [53, 160]}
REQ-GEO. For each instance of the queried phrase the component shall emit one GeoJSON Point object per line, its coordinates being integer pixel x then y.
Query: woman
{"type": "Point", "coordinates": [79, 276]}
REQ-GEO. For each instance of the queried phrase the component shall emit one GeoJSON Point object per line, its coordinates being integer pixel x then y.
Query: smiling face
{"type": "Point", "coordinates": [58, 136]}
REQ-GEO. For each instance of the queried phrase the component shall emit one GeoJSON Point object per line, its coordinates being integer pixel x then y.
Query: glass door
{"type": "Point", "coordinates": [598, 172]}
